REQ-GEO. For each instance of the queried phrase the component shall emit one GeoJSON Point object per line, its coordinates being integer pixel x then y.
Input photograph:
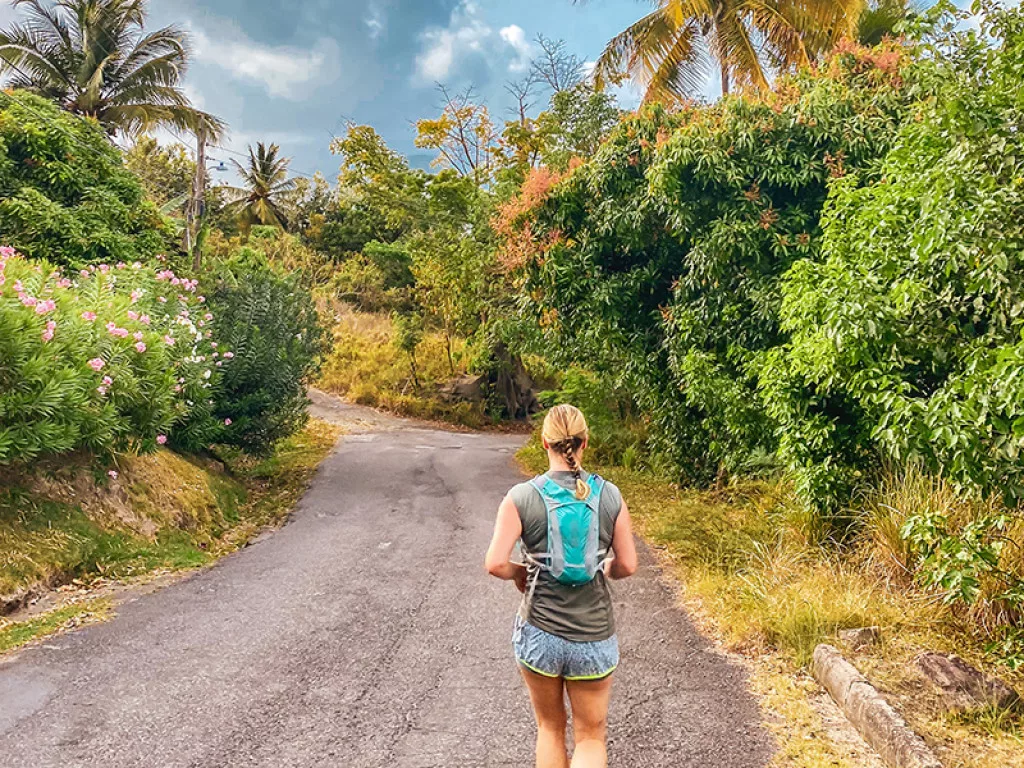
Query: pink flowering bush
{"type": "Point", "coordinates": [111, 358]}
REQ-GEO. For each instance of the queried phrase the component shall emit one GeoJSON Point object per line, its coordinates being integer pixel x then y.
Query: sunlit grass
{"type": "Point", "coordinates": [15, 634]}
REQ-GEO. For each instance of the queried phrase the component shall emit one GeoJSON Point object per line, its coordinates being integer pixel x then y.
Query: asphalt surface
{"type": "Point", "coordinates": [363, 634]}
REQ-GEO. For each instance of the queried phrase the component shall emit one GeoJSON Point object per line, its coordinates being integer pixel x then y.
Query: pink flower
{"type": "Point", "coordinates": [111, 326]}
{"type": "Point", "coordinates": [229, 355]}
{"type": "Point", "coordinates": [7, 251]}
{"type": "Point", "coordinates": [201, 299]}
{"type": "Point", "coordinates": [144, 319]}
{"type": "Point", "coordinates": [64, 283]}
{"type": "Point", "coordinates": [104, 268]}
{"type": "Point", "coordinates": [121, 265]}
{"type": "Point", "coordinates": [89, 316]}
{"type": "Point", "coordinates": [161, 439]}
{"type": "Point", "coordinates": [107, 381]}
{"type": "Point", "coordinates": [169, 341]}
{"type": "Point", "coordinates": [18, 287]}
{"type": "Point", "coordinates": [96, 364]}
{"type": "Point", "coordinates": [28, 301]}
{"type": "Point", "coordinates": [101, 390]}
{"type": "Point", "coordinates": [113, 474]}
{"type": "Point", "coordinates": [136, 296]}
{"type": "Point", "coordinates": [45, 307]}
{"type": "Point", "coordinates": [208, 317]}
{"type": "Point", "coordinates": [84, 273]}
{"type": "Point", "coordinates": [133, 315]}
{"type": "Point", "coordinates": [227, 422]}
{"type": "Point", "coordinates": [162, 299]}
{"type": "Point", "coordinates": [48, 333]}
{"type": "Point", "coordinates": [140, 347]}
{"type": "Point", "coordinates": [137, 265]}
{"type": "Point", "coordinates": [137, 336]}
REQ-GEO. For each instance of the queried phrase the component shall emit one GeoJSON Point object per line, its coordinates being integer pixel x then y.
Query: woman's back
{"type": "Point", "coordinates": [578, 613]}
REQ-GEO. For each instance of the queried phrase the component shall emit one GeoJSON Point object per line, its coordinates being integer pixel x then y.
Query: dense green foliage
{"type": "Point", "coordinates": [270, 325]}
{"type": "Point", "coordinates": [661, 260]}
{"type": "Point", "coordinates": [65, 194]}
{"type": "Point", "coordinates": [116, 359]}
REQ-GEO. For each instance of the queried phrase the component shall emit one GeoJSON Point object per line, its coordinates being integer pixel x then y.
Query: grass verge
{"type": "Point", "coordinates": [15, 634]}
{"type": "Point", "coordinates": [163, 512]}
{"type": "Point", "coordinates": [753, 579]}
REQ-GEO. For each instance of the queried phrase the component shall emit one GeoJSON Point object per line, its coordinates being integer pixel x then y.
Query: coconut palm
{"type": "Point", "coordinates": [673, 49]}
{"type": "Point", "coordinates": [95, 58]}
{"type": "Point", "coordinates": [265, 197]}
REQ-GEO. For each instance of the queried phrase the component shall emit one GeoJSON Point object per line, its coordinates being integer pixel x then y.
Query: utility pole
{"type": "Point", "coordinates": [196, 205]}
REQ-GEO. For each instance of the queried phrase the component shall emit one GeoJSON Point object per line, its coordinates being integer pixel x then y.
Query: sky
{"type": "Point", "coordinates": [294, 72]}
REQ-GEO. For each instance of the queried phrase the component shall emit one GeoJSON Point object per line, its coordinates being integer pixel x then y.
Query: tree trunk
{"type": "Point", "coordinates": [448, 348]}
{"type": "Point", "coordinates": [725, 79]}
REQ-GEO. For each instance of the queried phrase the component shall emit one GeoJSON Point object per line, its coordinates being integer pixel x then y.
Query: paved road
{"type": "Point", "coordinates": [364, 634]}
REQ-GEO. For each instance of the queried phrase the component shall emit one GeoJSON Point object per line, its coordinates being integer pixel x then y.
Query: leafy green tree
{"type": "Point", "coordinates": [266, 192]}
{"type": "Point", "coordinates": [408, 337]}
{"type": "Point", "coordinates": [65, 194]}
{"type": "Point", "coordinates": [96, 59]}
{"type": "Point", "coordinates": [658, 263]}
{"type": "Point", "coordinates": [166, 173]}
{"type": "Point", "coordinates": [906, 337]}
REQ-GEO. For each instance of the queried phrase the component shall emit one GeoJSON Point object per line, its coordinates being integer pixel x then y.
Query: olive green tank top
{"type": "Point", "coordinates": [580, 614]}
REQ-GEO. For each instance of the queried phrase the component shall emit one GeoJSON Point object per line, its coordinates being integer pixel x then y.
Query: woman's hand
{"type": "Point", "coordinates": [521, 577]}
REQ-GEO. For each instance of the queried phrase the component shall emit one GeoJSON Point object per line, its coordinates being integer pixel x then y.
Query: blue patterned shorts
{"type": "Point", "coordinates": [553, 656]}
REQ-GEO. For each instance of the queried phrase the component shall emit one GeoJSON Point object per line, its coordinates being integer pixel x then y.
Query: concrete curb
{"type": "Point", "coordinates": [880, 725]}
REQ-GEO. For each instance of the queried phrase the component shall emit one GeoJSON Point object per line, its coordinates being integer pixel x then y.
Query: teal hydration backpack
{"type": "Point", "coordinates": [574, 555]}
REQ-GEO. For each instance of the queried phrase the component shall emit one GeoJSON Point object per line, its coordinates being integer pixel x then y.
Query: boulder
{"type": "Point", "coordinates": [468, 388]}
{"type": "Point", "coordinates": [962, 686]}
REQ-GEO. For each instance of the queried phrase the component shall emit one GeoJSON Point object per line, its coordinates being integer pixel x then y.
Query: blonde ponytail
{"type": "Point", "coordinates": [565, 430]}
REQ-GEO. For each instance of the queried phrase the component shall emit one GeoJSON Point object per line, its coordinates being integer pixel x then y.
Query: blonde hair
{"type": "Point", "coordinates": [565, 430]}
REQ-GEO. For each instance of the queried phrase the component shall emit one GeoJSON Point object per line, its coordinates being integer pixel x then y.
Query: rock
{"type": "Point", "coordinates": [467, 387]}
{"type": "Point", "coordinates": [881, 726]}
{"type": "Point", "coordinates": [863, 637]}
{"type": "Point", "coordinates": [962, 686]}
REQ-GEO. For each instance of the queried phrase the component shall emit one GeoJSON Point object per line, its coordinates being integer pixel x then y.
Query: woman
{"type": "Point", "coordinates": [564, 637]}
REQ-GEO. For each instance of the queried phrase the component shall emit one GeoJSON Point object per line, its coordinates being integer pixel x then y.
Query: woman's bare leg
{"type": "Point", "coordinates": [548, 697]}
{"type": "Point", "coordinates": [589, 701]}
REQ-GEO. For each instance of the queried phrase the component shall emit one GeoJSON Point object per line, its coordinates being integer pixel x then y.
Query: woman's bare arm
{"type": "Point", "coordinates": [507, 530]}
{"type": "Point", "coordinates": [623, 546]}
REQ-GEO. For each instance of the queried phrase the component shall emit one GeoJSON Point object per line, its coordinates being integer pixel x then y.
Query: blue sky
{"type": "Point", "coordinates": [293, 71]}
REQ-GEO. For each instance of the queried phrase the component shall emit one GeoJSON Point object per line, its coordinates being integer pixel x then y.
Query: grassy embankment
{"type": "Point", "coordinates": [64, 523]}
{"type": "Point", "coordinates": [753, 578]}
{"type": "Point", "coordinates": [365, 367]}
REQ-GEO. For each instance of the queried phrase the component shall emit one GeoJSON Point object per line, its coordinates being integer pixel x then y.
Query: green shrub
{"type": "Point", "coordinates": [114, 360]}
{"type": "Point", "coordinates": [65, 194]}
{"type": "Point", "coordinates": [906, 336]}
{"type": "Point", "coordinates": [270, 323]}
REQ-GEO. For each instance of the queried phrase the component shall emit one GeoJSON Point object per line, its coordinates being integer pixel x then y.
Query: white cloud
{"type": "Point", "coordinates": [375, 22]}
{"type": "Point", "coordinates": [516, 38]}
{"type": "Point", "coordinates": [283, 71]}
{"type": "Point", "coordinates": [468, 36]}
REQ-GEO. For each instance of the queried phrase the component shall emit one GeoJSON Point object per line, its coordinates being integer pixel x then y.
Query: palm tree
{"type": "Point", "coordinates": [673, 49]}
{"type": "Point", "coordinates": [95, 58]}
{"type": "Point", "coordinates": [265, 196]}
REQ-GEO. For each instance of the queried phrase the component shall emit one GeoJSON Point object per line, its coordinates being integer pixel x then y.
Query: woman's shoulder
{"type": "Point", "coordinates": [521, 493]}
{"type": "Point", "coordinates": [611, 496]}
